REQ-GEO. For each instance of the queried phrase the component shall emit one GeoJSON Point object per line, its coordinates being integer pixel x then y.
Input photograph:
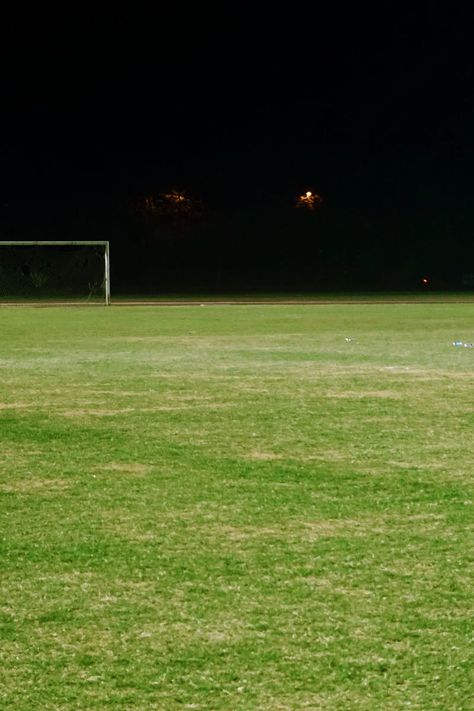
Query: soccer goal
{"type": "Point", "coordinates": [55, 271]}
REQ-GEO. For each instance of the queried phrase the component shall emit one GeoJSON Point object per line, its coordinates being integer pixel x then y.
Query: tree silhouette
{"type": "Point", "coordinates": [174, 208]}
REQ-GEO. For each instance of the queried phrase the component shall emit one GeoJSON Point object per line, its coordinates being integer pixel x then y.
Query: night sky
{"type": "Point", "coordinates": [244, 111]}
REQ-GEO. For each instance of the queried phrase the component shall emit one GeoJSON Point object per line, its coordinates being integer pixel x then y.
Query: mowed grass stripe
{"type": "Point", "coordinates": [237, 508]}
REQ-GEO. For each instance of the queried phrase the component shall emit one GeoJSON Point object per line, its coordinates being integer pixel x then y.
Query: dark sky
{"type": "Point", "coordinates": [373, 108]}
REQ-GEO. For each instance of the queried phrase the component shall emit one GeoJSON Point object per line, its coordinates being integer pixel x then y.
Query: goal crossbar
{"type": "Point", "coordinates": [70, 243]}
{"type": "Point", "coordinates": [53, 243]}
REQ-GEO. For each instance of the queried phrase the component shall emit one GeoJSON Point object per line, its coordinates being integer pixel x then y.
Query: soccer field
{"type": "Point", "coordinates": [237, 507]}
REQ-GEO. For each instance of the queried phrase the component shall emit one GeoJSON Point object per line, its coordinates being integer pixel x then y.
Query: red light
{"type": "Point", "coordinates": [425, 280]}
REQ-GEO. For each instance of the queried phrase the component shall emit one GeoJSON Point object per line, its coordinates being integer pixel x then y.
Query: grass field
{"type": "Point", "coordinates": [235, 508]}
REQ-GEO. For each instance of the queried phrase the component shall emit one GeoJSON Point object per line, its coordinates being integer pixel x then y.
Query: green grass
{"type": "Point", "coordinates": [422, 296]}
{"type": "Point", "coordinates": [234, 508]}
{"type": "Point", "coordinates": [118, 299]}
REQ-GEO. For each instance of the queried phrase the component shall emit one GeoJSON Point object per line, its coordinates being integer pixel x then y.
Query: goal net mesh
{"type": "Point", "coordinates": [35, 273]}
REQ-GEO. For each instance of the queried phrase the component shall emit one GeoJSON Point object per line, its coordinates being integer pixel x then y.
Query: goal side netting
{"type": "Point", "coordinates": [54, 271]}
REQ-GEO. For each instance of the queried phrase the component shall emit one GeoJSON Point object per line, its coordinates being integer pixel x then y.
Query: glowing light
{"type": "Point", "coordinates": [175, 196]}
{"type": "Point", "coordinates": [309, 200]}
{"type": "Point", "coordinates": [172, 205]}
{"type": "Point", "coordinates": [425, 280]}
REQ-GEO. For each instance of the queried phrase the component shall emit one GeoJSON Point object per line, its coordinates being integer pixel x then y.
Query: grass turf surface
{"type": "Point", "coordinates": [237, 508]}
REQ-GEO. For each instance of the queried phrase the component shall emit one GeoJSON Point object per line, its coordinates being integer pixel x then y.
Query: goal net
{"type": "Point", "coordinates": [54, 271]}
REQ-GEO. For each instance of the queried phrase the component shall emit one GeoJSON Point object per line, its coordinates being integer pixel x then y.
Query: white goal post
{"type": "Point", "coordinates": [83, 243]}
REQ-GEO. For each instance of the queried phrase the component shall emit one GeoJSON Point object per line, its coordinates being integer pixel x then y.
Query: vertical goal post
{"type": "Point", "coordinates": [70, 243]}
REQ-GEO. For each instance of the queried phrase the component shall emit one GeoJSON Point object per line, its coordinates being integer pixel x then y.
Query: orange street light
{"type": "Point", "coordinates": [309, 200]}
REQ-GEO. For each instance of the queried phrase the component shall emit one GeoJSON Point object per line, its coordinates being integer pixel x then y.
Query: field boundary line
{"type": "Point", "coordinates": [237, 302]}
